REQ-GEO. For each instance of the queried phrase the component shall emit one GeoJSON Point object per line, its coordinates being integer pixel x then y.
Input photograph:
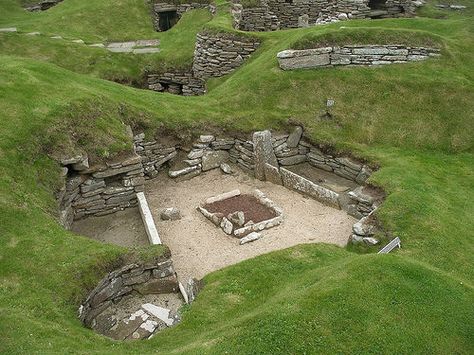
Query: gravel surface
{"type": "Point", "coordinates": [198, 247]}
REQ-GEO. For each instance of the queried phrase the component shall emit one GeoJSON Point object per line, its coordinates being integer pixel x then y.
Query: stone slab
{"type": "Point", "coordinates": [301, 184]}
{"type": "Point", "coordinates": [147, 218]}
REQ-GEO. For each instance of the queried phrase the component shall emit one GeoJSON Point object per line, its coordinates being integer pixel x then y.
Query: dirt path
{"type": "Point", "coordinates": [198, 247]}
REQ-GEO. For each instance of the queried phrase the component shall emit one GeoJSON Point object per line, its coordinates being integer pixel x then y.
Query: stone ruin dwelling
{"type": "Point", "coordinates": [167, 14]}
{"type": "Point", "coordinates": [271, 15]}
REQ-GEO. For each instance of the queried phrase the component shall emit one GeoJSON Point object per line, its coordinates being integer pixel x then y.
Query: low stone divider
{"type": "Point", "coordinates": [370, 55]}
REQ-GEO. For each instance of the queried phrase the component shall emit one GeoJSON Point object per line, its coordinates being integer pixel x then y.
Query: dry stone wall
{"type": "Point", "coordinates": [216, 55]}
{"type": "Point", "coordinates": [177, 83]}
{"type": "Point", "coordinates": [353, 55]}
{"type": "Point", "coordinates": [99, 190]}
{"type": "Point", "coordinates": [275, 14]}
{"type": "Point", "coordinates": [96, 191]}
{"type": "Point", "coordinates": [156, 277]}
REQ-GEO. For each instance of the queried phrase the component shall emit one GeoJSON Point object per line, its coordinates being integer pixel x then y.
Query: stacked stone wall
{"type": "Point", "coordinates": [157, 277]}
{"type": "Point", "coordinates": [368, 55]}
{"type": "Point", "coordinates": [177, 83]}
{"type": "Point", "coordinates": [303, 13]}
{"type": "Point", "coordinates": [216, 55]}
{"type": "Point", "coordinates": [99, 190]}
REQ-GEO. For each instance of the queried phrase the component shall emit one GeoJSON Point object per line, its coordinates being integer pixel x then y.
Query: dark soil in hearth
{"type": "Point", "coordinates": [250, 205]}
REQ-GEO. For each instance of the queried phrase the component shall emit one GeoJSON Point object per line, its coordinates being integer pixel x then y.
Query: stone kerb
{"type": "Point", "coordinates": [369, 55]}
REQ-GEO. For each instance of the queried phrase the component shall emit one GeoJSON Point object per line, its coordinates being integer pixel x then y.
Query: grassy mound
{"type": "Point", "coordinates": [415, 120]}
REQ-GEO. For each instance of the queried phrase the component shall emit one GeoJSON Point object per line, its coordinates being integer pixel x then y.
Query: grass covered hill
{"type": "Point", "coordinates": [416, 121]}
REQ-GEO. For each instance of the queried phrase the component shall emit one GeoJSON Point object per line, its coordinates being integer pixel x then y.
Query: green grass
{"type": "Point", "coordinates": [415, 120]}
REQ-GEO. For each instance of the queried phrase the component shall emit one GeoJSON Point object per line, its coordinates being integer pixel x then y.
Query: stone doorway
{"type": "Point", "coordinates": [167, 19]}
{"type": "Point", "coordinates": [378, 8]}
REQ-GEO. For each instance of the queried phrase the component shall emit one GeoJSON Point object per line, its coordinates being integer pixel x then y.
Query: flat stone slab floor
{"type": "Point", "coordinates": [198, 247]}
{"type": "Point", "coordinates": [124, 228]}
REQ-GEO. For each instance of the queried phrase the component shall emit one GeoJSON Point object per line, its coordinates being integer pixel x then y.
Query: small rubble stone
{"type": "Point", "coordinates": [237, 218]}
{"type": "Point", "coordinates": [370, 240]}
{"type": "Point", "coordinates": [188, 170]}
{"type": "Point", "coordinates": [213, 159]}
{"type": "Point", "coordinates": [170, 214]}
{"type": "Point", "coordinates": [226, 169]}
{"type": "Point", "coordinates": [227, 226]}
{"type": "Point", "coordinates": [206, 139]}
{"type": "Point", "coordinates": [250, 238]}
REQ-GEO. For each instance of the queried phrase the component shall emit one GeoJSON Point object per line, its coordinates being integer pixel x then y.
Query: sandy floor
{"type": "Point", "coordinates": [198, 247]}
{"type": "Point", "coordinates": [123, 228]}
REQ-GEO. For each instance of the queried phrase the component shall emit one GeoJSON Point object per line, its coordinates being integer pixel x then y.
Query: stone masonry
{"type": "Point", "coordinates": [353, 55]}
{"type": "Point", "coordinates": [270, 15]}
{"type": "Point", "coordinates": [156, 277]}
{"type": "Point", "coordinates": [177, 83]}
{"type": "Point", "coordinates": [216, 55]}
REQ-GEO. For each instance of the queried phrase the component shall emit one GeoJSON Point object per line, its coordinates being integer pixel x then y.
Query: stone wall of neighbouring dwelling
{"type": "Point", "coordinates": [156, 277]}
{"type": "Point", "coordinates": [98, 190]}
{"type": "Point", "coordinates": [180, 9]}
{"type": "Point", "coordinates": [353, 55]}
{"type": "Point", "coordinates": [217, 54]}
{"type": "Point", "coordinates": [274, 14]}
{"type": "Point", "coordinates": [43, 5]}
{"type": "Point", "coordinates": [177, 83]}
{"type": "Point", "coordinates": [288, 150]}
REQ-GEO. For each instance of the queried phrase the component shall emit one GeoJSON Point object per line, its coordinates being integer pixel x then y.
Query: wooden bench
{"type": "Point", "coordinates": [390, 246]}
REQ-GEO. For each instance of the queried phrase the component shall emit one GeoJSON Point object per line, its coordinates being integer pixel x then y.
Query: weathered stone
{"type": "Point", "coordinates": [250, 238]}
{"type": "Point", "coordinates": [237, 218]}
{"type": "Point", "coordinates": [213, 159]}
{"type": "Point", "coordinates": [296, 159]}
{"type": "Point", "coordinates": [295, 137]}
{"type": "Point", "coordinates": [226, 169]}
{"type": "Point", "coordinates": [138, 279]}
{"type": "Point", "coordinates": [311, 59]}
{"type": "Point", "coordinates": [223, 196]}
{"type": "Point", "coordinates": [363, 227]}
{"type": "Point", "coordinates": [195, 154]}
{"type": "Point", "coordinates": [170, 214]}
{"type": "Point", "coordinates": [370, 240]}
{"type": "Point", "coordinates": [159, 312]}
{"type": "Point", "coordinates": [206, 138]}
{"type": "Point", "coordinates": [264, 154]}
{"type": "Point", "coordinates": [188, 170]}
{"type": "Point", "coordinates": [299, 183]}
{"type": "Point", "coordinates": [108, 292]}
{"type": "Point", "coordinates": [272, 174]}
{"type": "Point", "coordinates": [227, 226]}
{"type": "Point", "coordinates": [158, 286]}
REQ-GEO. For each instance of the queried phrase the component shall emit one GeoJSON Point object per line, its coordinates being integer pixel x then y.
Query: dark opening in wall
{"type": "Point", "coordinates": [377, 4]}
{"type": "Point", "coordinates": [168, 19]}
{"type": "Point", "coordinates": [378, 8]}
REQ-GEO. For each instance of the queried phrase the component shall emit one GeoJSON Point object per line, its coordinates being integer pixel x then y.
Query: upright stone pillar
{"type": "Point", "coordinates": [264, 154]}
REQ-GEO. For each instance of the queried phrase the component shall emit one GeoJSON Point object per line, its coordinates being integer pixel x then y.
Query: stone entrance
{"type": "Point", "coordinates": [167, 19]}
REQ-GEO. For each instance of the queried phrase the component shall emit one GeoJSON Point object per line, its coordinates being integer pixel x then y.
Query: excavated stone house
{"type": "Point", "coordinates": [272, 15]}
{"type": "Point", "coordinates": [167, 14]}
